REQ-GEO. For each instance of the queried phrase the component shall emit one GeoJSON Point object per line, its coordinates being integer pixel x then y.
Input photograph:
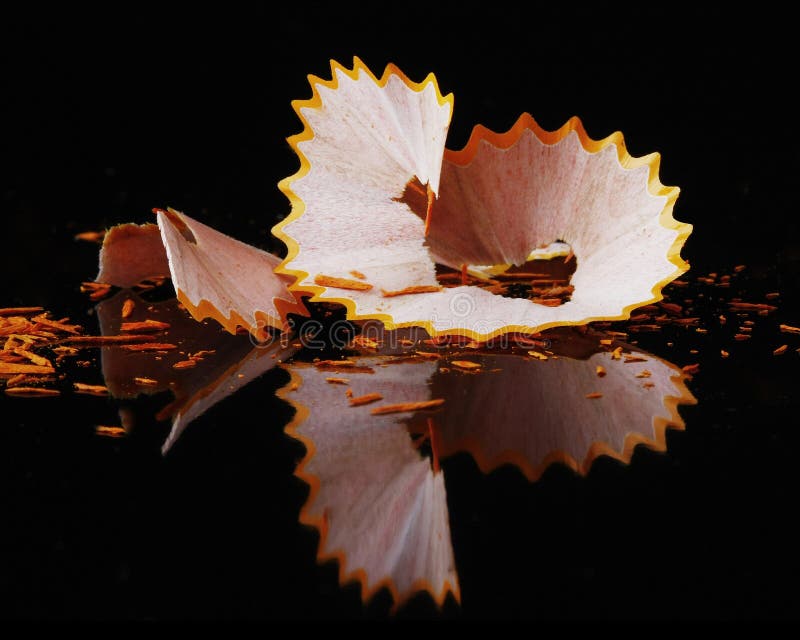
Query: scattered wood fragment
{"type": "Point", "coordinates": [32, 392]}
{"type": "Point", "coordinates": [600, 370]}
{"type": "Point", "coordinates": [104, 341]}
{"type": "Point", "coordinates": [538, 355]}
{"type": "Point", "coordinates": [109, 432]}
{"type": "Point", "coordinates": [15, 368]}
{"type": "Point", "coordinates": [467, 365]}
{"type": "Point", "coordinates": [146, 382]}
{"type": "Point", "coordinates": [424, 288]}
{"type": "Point", "coordinates": [127, 308]}
{"type": "Point", "coordinates": [742, 336]}
{"type": "Point", "coordinates": [594, 395]}
{"type": "Point", "coordinates": [341, 283]}
{"type": "Point", "coordinates": [20, 311]}
{"type": "Point", "coordinates": [780, 350]}
{"type": "Point", "coordinates": [333, 380]}
{"type": "Point", "coordinates": [785, 328]}
{"type": "Point", "coordinates": [150, 346]}
{"type": "Point", "coordinates": [186, 364]}
{"type": "Point", "coordinates": [644, 373]}
{"type": "Point", "coordinates": [691, 369]}
{"type": "Point", "coordinates": [144, 325]}
{"type": "Point", "coordinates": [91, 236]}
{"type": "Point", "coordinates": [407, 406]}
{"type": "Point", "coordinates": [365, 399]}
{"type": "Point", "coordinates": [90, 389]}
{"type": "Point", "coordinates": [358, 274]}
{"type": "Point", "coordinates": [724, 353]}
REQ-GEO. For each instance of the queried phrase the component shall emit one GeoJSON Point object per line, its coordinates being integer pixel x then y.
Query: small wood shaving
{"type": "Point", "coordinates": [349, 393]}
{"type": "Point", "coordinates": [91, 236]}
{"type": "Point", "coordinates": [644, 373]}
{"type": "Point", "coordinates": [785, 328]}
{"type": "Point", "coordinates": [407, 406]}
{"type": "Point", "coordinates": [722, 319]}
{"type": "Point", "coordinates": [648, 385]}
{"type": "Point", "coordinates": [739, 268]}
{"type": "Point", "coordinates": [32, 392]}
{"type": "Point", "coordinates": [616, 354]}
{"type": "Point", "coordinates": [35, 359]}
{"type": "Point", "coordinates": [629, 359]}
{"type": "Point", "coordinates": [538, 355]}
{"type": "Point", "coordinates": [358, 274]}
{"type": "Point", "coordinates": [14, 368]}
{"type": "Point", "coordinates": [427, 354]}
{"type": "Point", "coordinates": [56, 324]}
{"type": "Point", "coordinates": [724, 353]}
{"type": "Point", "coordinates": [127, 308]}
{"type": "Point", "coordinates": [341, 283]}
{"type": "Point", "coordinates": [109, 432]}
{"type": "Point", "coordinates": [773, 295]}
{"type": "Point", "coordinates": [600, 371]}
{"type": "Point", "coordinates": [680, 283]}
{"type": "Point", "coordinates": [338, 365]}
{"type": "Point", "coordinates": [780, 350]}
{"type": "Point", "coordinates": [20, 311]}
{"type": "Point", "coordinates": [65, 351]}
{"type": "Point", "coordinates": [751, 306]}
{"type": "Point", "coordinates": [147, 382]}
{"type": "Point", "coordinates": [594, 395]}
{"type": "Point", "coordinates": [606, 342]}
{"type": "Point", "coordinates": [150, 346]}
{"type": "Point", "coordinates": [199, 355]}
{"type": "Point", "coordinates": [671, 307]}
{"type": "Point", "coordinates": [691, 369]}
{"type": "Point", "coordinates": [337, 380]}
{"type": "Point", "coordinates": [102, 341]}
{"type": "Point", "coordinates": [365, 343]}
{"type": "Point", "coordinates": [741, 336]}
{"type": "Point", "coordinates": [185, 364]}
{"type": "Point", "coordinates": [144, 325]}
{"type": "Point", "coordinates": [425, 288]}
{"type": "Point", "coordinates": [365, 399]}
{"type": "Point", "coordinates": [90, 389]}
{"type": "Point", "coordinates": [638, 328]}
{"type": "Point", "coordinates": [467, 365]}
{"type": "Point", "coordinates": [701, 330]}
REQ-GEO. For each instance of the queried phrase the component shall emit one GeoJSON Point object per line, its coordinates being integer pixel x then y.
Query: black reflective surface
{"type": "Point", "coordinates": [100, 124]}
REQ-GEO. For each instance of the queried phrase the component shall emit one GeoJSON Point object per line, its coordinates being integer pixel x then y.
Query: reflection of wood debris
{"type": "Point", "coordinates": [365, 399]}
{"type": "Point", "coordinates": [407, 406]}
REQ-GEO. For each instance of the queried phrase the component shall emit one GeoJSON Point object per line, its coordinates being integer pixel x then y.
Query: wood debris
{"type": "Point", "coordinates": [467, 365]}
{"type": "Point", "coordinates": [127, 308]}
{"type": "Point", "coordinates": [365, 399]}
{"type": "Point", "coordinates": [594, 395]}
{"type": "Point", "coordinates": [358, 274]}
{"type": "Point", "coordinates": [150, 346]}
{"type": "Point", "coordinates": [785, 328]}
{"type": "Point", "coordinates": [644, 373]}
{"type": "Point", "coordinates": [600, 370]}
{"type": "Point", "coordinates": [91, 236]}
{"type": "Point", "coordinates": [780, 350]}
{"type": "Point", "coordinates": [90, 389]}
{"type": "Point", "coordinates": [691, 369]}
{"type": "Point", "coordinates": [333, 380]}
{"type": "Point", "coordinates": [407, 406]}
{"type": "Point", "coordinates": [109, 432]}
{"type": "Point", "coordinates": [538, 355]}
{"type": "Point", "coordinates": [32, 392]}
{"type": "Point", "coordinates": [341, 283]}
{"type": "Point", "coordinates": [425, 288]}
{"type": "Point", "coordinates": [146, 382]}
{"type": "Point", "coordinates": [144, 325]}
{"type": "Point", "coordinates": [185, 364]}
{"type": "Point", "coordinates": [20, 311]}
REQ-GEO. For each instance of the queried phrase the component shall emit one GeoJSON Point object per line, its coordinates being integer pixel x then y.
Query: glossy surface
{"type": "Point", "coordinates": [102, 126]}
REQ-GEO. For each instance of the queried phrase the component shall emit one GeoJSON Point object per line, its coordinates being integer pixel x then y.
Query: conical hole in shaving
{"type": "Point", "coordinates": [543, 279]}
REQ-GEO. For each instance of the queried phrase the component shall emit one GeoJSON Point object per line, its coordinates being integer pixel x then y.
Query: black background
{"type": "Point", "coordinates": [106, 113]}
